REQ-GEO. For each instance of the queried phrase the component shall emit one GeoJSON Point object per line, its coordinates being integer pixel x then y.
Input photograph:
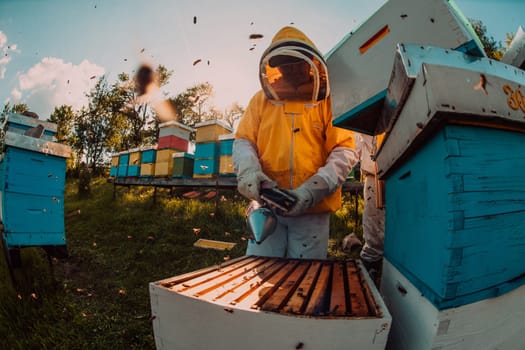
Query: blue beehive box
{"type": "Point", "coordinates": [122, 171]}
{"type": "Point", "coordinates": [148, 154]}
{"type": "Point", "coordinates": [451, 161]}
{"type": "Point", "coordinates": [123, 158]}
{"type": "Point", "coordinates": [226, 144]}
{"type": "Point", "coordinates": [206, 163]}
{"type": "Point", "coordinates": [459, 228]}
{"type": "Point", "coordinates": [133, 170]}
{"type": "Point", "coordinates": [32, 179]}
{"type": "Point", "coordinates": [123, 163]}
{"type": "Point", "coordinates": [207, 150]}
{"type": "Point", "coordinates": [205, 167]}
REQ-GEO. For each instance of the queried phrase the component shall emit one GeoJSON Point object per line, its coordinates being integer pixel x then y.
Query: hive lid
{"type": "Point", "coordinates": [37, 145]}
{"type": "Point", "coordinates": [182, 155]}
{"type": "Point", "coordinates": [31, 122]}
{"type": "Point", "coordinates": [227, 136]}
{"type": "Point", "coordinates": [214, 122]}
{"type": "Point", "coordinates": [483, 93]}
{"type": "Point", "coordinates": [360, 65]}
{"type": "Point", "coordinates": [177, 124]}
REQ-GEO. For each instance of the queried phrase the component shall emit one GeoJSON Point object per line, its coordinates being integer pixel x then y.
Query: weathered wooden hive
{"type": "Point", "coordinates": [32, 179]}
{"type": "Point", "coordinates": [263, 303]}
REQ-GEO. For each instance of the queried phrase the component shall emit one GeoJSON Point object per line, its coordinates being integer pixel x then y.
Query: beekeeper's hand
{"type": "Point", "coordinates": [250, 181]}
{"type": "Point", "coordinates": [250, 177]}
{"type": "Point", "coordinates": [311, 192]}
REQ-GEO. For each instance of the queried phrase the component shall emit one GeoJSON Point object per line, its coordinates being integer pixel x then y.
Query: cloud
{"type": "Point", "coordinates": [53, 82]}
{"type": "Point", "coordinates": [6, 51]}
{"type": "Point", "coordinates": [16, 94]}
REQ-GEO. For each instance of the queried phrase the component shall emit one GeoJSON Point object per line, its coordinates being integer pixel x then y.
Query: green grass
{"type": "Point", "coordinates": [98, 297]}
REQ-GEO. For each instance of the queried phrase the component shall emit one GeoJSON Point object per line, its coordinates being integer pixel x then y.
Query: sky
{"type": "Point", "coordinates": [53, 51]}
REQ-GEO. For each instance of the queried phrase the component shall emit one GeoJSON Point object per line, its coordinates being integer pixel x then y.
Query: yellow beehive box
{"type": "Point", "coordinates": [164, 169]}
{"type": "Point", "coordinates": [134, 156]}
{"type": "Point", "coordinates": [226, 166]}
{"type": "Point", "coordinates": [147, 169]}
{"type": "Point", "coordinates": [114, 159]}
{"type": "Point", "coordinates": [210, 130]}
{"type": "Point", "coordinates": [165, 155]}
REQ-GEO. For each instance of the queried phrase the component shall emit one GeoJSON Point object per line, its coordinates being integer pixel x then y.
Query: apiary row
{"type": "Point", "coordinates": [176, 156]}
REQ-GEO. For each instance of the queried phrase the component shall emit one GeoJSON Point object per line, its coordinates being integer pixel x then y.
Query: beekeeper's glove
{"type": "Point", "coordinates": [250, 181]}
{"type": "Point", "coordinates": [311, 192]}
{"type": "Point", "coordinates": [250, 176]}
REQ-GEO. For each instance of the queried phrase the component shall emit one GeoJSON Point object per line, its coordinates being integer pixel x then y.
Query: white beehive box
{"type": "Point", "coordinates": [494, 323]}
{"type": "Point", "coordinates": [270, 303]}
{"type": "Point", "coordinates": [360, 65]}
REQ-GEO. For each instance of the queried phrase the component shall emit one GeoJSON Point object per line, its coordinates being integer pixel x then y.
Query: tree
{"type": "Point", "coordinates": [64, 117]}
{"type": "Point", "coordinates": [493, 48]}
{"type": "Point", "coordinates": [233, 113]}
{"type": "Point", "coordinates": [18, 108]}
{"type": "Point", "coordinates": [95, 126]}
{"type": "Point", "coordinates": [193, 105]}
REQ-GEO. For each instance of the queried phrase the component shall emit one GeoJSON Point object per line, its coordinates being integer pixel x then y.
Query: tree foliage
{"type": "Point", "coordinates": [95, 124]}
{"type": "Point", "coordinates": [493, 49]}
{"type": "Point", "coordinates": [18, 108]}
{"type": "Point", "coordinates": [193, 105]}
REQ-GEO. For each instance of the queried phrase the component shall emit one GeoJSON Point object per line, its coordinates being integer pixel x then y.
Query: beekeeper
{"type": "Point", "coordinates": [373, 211]}
{"type": "Point", "coordinates": [286, 139]}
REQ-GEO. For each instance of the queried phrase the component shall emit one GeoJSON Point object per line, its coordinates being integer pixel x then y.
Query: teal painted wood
{"type": "Point", "coordinates": [455, 215]}
{"type": "Point", "coordinates": [32, 198]}
{"type": "Point", "coordinates": [206, 150]}
{"type": "Point", "coordinates": [207, 166]}
{"type": "Point", "coordinates": [149, 156]}
{"type": "Point", "coordinates": [133, 170]}
{"type": "Point", "coordinates": [123, 159]}
{"type": "Point", "coordinates": [226, 147]}
{"type": "Point", "coordinates": [34, 173]}
{"type": "Point", "coordinates": [113, 171]}
{"type": "Point", "coordinates": [32, 213]}
{"type": "Point", "coordinates": [122, 171]}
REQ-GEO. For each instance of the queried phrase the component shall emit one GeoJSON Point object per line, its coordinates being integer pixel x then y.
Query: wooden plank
{"type": "Point", "coordinates": [192, 279]}
{"type": "Point", "coordinates": [338, 297]}
{"type": "Point", "coordinates": [298, 300]}
{"type": "Point", "coordinates": [359, 307]}
{"type": "Point", "coordinates": [212, 244]}
{"type": "Point", "coordinates": [217, 285]}
{"type": "Point", "coordinates": [257, 296]}
{"type": "Point", "coordinates": [242, 286]}
{"type": "Point", "coordinates": [279, 298]}
{"type": "Point", "coordinates": [316, 304]}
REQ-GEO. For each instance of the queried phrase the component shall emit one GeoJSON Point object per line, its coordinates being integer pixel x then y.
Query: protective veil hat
{"type": "Point", "coordinates": [292, 69]}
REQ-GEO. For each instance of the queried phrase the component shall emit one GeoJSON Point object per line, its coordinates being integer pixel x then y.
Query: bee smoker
{"type": "Point", "coordinates": [261, 219]}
